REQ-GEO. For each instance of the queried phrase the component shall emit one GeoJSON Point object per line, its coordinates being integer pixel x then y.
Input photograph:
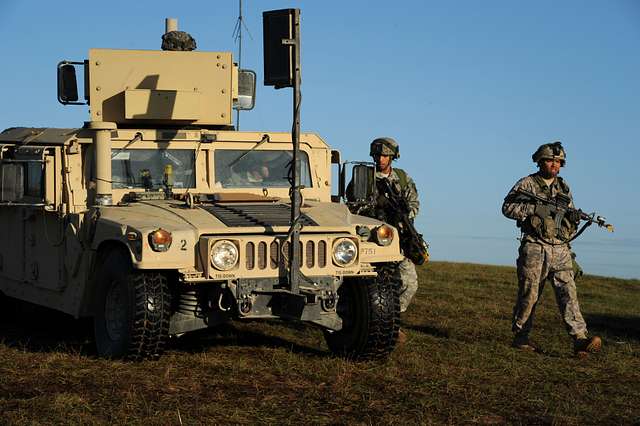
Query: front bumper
{"type": "Point", "coordinates": [269, 298]}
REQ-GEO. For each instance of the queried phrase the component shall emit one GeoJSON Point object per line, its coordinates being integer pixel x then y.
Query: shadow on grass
{"type": "Point", "coordinates": [615, 327]}
{"type": "Point", "coordinates": [427, 329]}
{"type": "Point", "coordinates": [40, 330]}
{"type": "Point", "coordinates": [229, 335]}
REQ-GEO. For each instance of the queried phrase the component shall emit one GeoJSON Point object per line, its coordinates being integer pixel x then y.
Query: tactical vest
{"type": "Point", "coordinates": [545, 227]}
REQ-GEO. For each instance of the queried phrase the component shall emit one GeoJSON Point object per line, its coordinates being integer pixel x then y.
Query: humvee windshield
{"type": "Point", "coordinates": [237, 168]}
{"type": "Point", "coordinates": [147, 168]}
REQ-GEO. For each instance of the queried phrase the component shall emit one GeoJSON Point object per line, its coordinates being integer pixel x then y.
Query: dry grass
{"type": "Point", "coordinates": [457, 367]}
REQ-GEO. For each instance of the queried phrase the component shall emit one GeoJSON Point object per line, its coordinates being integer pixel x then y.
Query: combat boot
{"type": "Point", "coordinates": [582, 347]}
{"type": "Point", "coordinates": [522, 342]}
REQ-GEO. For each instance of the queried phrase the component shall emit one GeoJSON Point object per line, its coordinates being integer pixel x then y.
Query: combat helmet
{"type": "Point", "coordinates": [385, 146]}
{"type": "Point", "coordinates": [178, 41]}
{"type": "Point", "coordinates": [550, 151]}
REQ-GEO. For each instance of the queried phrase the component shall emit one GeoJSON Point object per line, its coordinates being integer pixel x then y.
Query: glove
{"type": "Point", "coordinates": [573, 215]}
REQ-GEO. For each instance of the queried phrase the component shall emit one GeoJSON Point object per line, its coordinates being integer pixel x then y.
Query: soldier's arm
{"type": "Point", "coordinates": [518, 210]}
{"type": "Point", "coordinates": [571, 205]}
{"type": "Point", "coordinates": [574, 215]}
{"type": "Point", "coordinates": [411, 195]}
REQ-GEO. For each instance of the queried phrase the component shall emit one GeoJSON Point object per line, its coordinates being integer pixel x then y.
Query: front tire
{"type": "Point", "coordinates": [370, 312]}
{"type": "Point", "coordinates": [132, 310]}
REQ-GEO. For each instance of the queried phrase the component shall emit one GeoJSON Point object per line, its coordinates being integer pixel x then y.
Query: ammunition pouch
{"type": "Point", "coordinates": [567, 230]}
{"type": "Point", "coordinates": [549, 230]}
{"type": "Point", "coordinates": [542, 210]}
{"type": "Point", "coordinates": [543, 224]}
{"type": "Point", "coordinates": [543, 227]}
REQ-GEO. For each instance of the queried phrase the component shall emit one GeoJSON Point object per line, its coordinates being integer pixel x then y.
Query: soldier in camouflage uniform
{"type": "Point", "coordinates": [545, 253]}
{"type": "Point", "coordinates": [384, 151]}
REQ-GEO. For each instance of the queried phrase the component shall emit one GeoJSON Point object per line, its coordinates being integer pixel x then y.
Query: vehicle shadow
{"type": "Point", "coordinates": [229, 335]}
{"type": "Point", "coordinates": [37, 329]}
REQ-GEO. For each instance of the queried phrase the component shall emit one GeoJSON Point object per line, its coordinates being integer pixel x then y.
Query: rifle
{"type": "Point", "coordinates": [396, 209]}
{"type": "Point", "coordinates": [559, 206]}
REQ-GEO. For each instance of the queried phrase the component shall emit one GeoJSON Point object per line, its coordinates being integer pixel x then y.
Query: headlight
{"type": "Point", "coordinates": [384, 235]}
{"type": "Point", "coordinates": [160, 240]}
{"type": "Point", "coordinates": [344, 252]}
{"type": "Point", "coordinates": [224, 255]}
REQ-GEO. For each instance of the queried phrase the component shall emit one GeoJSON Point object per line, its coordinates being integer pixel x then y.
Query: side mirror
{"type": "Point", "coordinates": [246, 90]}
{"type": "Point", "coordinates": [335, 156]}
{"type": "Point", "coordinates": [68, 83]}
{"type": "Point", "coordinates": [336, 172]}
{"type": "Point", "coordinates": [11, 182]}
{"type": "Point", "coordinates": [363, 182]}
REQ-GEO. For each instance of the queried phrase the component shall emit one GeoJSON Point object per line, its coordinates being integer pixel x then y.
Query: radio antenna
{"type": "Point", "coordinates": [237, 35]}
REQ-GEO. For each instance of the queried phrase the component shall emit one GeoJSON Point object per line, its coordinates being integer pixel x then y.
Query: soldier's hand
{"type": "Point", "coordinates": [573, 215]}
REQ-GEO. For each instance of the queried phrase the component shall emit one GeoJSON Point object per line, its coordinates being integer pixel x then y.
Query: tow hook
{"type": "Point", "coordinates": [328, 302]}
{"type": "Point", "coordinates": [245, 305]}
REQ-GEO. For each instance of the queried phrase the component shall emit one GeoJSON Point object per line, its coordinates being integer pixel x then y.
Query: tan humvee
{"type": "Point", "coordinates": [157, 217]}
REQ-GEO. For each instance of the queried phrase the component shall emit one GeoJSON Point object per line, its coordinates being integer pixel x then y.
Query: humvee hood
{"type": "Point", "coordinates": [226, 218]}
{"type": "Point", "coordinates": [331, 214]}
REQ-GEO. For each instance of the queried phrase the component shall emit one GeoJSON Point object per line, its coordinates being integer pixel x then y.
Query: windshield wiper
{"type": "Point", "coordinates": [265, 138]}
{"type": "Point", "coordinates": [136, 138]}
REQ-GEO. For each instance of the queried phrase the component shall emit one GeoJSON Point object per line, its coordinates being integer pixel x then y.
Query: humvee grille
{"type": "Point", "coordinates": [262, 255]}
{"type": "Point", "coordinates": [256, 214]}
{"type": "Point", "coordinates": [313, 254]}
{"type": "Point", "coordinates": [309, 254]}
{"type": "Point", "coordinates": [322, 254]}
{"type": "Point", "coordinates": [273, 254]}
{"type": "Point", "coordinates": [251, 259]}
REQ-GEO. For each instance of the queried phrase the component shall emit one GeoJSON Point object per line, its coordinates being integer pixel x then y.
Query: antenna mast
{"type": "Point", "coordinates": [238, 34]}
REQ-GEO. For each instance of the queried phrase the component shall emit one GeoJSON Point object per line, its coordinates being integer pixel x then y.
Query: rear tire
{"type": "Point", "coordinates": [132, 310]}
{"type": "Point", "coordinates": [370, 312]}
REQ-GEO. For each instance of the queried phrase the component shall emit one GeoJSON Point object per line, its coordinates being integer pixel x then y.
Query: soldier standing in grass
{"type": "Point", "coordinates": [384, 151]}
{"type": "Point", "coordinates": [545, 252]}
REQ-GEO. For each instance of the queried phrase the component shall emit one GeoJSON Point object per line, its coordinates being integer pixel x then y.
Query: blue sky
{"type": "Point", "coordinates": [469, 89]}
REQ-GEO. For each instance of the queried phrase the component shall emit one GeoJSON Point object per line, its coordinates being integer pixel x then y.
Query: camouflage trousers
{"type": "Point", "coordinates": [536, 263]}
{"type": "Point", "coordinates": [409, 285]}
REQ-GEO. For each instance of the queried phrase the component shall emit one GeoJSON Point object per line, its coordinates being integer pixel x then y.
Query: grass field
{"type": "Point", "coordinates": [457, 366]}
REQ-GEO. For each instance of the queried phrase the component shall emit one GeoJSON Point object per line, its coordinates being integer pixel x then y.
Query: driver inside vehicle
{"type": "Point", "coordinates": [249, 173]}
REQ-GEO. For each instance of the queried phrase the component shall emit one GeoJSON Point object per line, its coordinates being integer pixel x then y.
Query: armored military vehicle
{"type": "Point", "coordinates": [157, 217]}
